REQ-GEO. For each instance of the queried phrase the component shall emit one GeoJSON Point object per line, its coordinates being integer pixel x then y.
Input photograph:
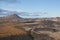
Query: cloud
{"type": "Point", "coordinates": [10, 1]}
{"type": "Point", "coordinates": [34, 14]}
{"type": "Point", "coordinates": [23, 14]}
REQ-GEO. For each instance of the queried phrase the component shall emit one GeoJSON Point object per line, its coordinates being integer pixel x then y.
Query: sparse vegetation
{"type": "Point", "coordinates": [29, 30]}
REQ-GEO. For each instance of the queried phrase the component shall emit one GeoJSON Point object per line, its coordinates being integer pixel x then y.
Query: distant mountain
{"type": "Point", "coordinates": [13, 16]}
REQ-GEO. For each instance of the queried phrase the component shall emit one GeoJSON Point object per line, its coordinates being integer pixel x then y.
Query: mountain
{"type": "Point", "coordinates": [38, 29]}
{"type": "Point", "coordinates": [13, 16]}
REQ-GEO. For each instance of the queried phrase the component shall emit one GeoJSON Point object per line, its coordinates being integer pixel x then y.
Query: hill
{"type": "Point", "coordinates": [13, 27]}
{"type": "Point", "coordinates": [9, 32]}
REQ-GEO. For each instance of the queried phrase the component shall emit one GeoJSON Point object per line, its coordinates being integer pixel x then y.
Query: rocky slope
{"type": "Point", "coordinates": [14, 27]}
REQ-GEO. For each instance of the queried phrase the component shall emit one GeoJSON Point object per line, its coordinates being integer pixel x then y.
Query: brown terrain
{"type": "Point", "coordinates": [14, 27]}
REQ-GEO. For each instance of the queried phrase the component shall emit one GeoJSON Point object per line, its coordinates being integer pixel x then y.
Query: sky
{"type": "Point", "coordinates": [50, 7]}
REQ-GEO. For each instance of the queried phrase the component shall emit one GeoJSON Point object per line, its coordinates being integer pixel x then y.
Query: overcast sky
{"type": "Point", "coordinates": [52, 7]}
